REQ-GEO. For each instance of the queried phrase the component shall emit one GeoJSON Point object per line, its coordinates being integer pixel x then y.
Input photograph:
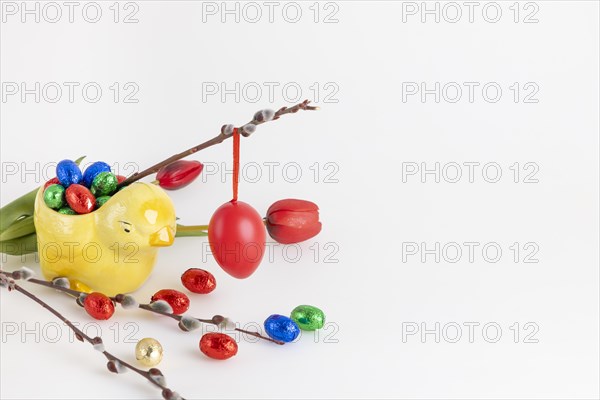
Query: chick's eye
{"type": "Point", "coordinates": [126, 226]}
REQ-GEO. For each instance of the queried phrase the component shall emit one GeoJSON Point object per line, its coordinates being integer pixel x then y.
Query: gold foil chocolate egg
{"type": "Point", "coordinates": [148, 352]}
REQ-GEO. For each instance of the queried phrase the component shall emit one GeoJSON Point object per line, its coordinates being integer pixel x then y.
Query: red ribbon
{"type": "Point", "coordinates": [236, 163]}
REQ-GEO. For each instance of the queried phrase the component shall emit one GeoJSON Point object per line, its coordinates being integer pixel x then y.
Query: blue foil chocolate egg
{"type": "Point", "coordinates": [68, 173]}
{"type": "Point", "coordinates": [92, 171]}
{"type": "Point", "coordinates": [281, 328]}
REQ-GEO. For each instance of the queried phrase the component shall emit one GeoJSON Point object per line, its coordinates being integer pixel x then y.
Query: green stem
{"type": "Point", "coordinates": [191, 230]}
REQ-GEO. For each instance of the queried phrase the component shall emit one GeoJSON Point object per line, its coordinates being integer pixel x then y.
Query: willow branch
{"type": "Point", "coordinates": [115, 364]}
{"type": "Point", "coordinates": [185, 325]}
{"type": "Point", "coordinates": [246, 130]}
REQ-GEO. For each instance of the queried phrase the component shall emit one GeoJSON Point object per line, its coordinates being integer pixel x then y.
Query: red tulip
{"type": "Point", "coordinates": [293, 221]}
{"type": "Point", "coordinates": [178, 174]}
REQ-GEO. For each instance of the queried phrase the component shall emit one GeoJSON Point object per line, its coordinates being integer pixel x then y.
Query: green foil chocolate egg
{"type": "Point", "coordinates": [105, 183]}
{"type": "Point", "coordinates": [54, 196]}
{"type": "Point", "coordinates": [308, 318]}
{"type": "Point", "coordinates": [67, 211]}
{"type": "Point", "coordinates": [101, 200]}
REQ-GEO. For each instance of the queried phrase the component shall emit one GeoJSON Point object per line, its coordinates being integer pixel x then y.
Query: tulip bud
{"type": "Point", "coordinates": [178, 174]}
{"type": "Point", "coordinates": [293, 221]}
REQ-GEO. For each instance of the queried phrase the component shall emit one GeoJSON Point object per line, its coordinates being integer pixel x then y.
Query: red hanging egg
{"type": "Point", "coordinates": [236, 235]}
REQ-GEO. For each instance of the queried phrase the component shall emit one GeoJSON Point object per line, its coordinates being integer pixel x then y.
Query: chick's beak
{"type": "Point", "coordinates": [164, 237]}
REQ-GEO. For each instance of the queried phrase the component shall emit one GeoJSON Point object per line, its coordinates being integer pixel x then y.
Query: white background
{"type": "Point", "coordinates": [371, 295]}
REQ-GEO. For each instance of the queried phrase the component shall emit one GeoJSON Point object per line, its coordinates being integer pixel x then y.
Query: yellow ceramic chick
{"type": "Point", "coordinates": [111, 250]}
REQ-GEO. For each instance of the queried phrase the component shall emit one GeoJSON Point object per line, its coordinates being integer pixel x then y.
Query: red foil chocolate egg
{"type": "Point", "coordinates": [178, 301]}
{"type": "Point", "coordinates": [218, 346]}
{"type": "Point", "coordinates": [198, 281]}
{"type": "Point", "coordinates": [53, 181]}
{"type": "Point", "coordinates": [99, 306]}
{"type": "Point", "coordinates": [80, 199]}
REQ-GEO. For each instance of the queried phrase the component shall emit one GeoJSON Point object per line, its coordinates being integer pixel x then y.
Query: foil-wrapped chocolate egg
{"type": "Point", "coordinates": [149, 352]}
{"type": "Point", "coordinates": [178, 301]}
{"type": "Point", "coordinates": [53, 181]}
{"type": "Point", "coordinates": [54, 196]}
{"type": "Point", "coordinates": [80, 199]}
{"type": "Point", "coordinates": [104, 184]}
{"type": "Point", "coordinates": [67, 211]}
{"type": "Point", "coordinates": [99, 306]}
{"type": "Point", "coordinates": [282, 328]}
{"type": "Point", "coordinates": [308, 318]}
{"type": "Point", "coordinates": [198, 281]}
{"type": "Point", "coordinates": [101, 200]}
{"type": "Point", "coordinates": [68, 173]}
{"type": "Point", "coordinates": [93, 170]}
{"type": "Point", "coordinates": [218, 346]}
